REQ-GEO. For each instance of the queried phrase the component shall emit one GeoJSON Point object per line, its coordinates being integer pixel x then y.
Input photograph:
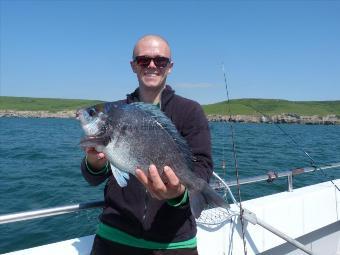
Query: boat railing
{"type": "Point", "coordinates": [28, 215]}
{"type": "Point", "coordinates": [217, 185]}
{"type": "Point", "coordinates": [272, 175]}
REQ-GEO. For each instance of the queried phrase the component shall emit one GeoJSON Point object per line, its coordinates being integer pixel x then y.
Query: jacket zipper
{"type": "Point", "coordinates": [146, 191]}
{"type": "Point", "coordinates": [145, 205]}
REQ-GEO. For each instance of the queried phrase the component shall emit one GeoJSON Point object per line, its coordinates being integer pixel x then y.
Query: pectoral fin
{"type": "Point", "coordinates": [120, 176]}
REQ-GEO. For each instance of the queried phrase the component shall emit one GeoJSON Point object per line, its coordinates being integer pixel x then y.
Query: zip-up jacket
{"type": "Point", "coordinates": [131, 209]}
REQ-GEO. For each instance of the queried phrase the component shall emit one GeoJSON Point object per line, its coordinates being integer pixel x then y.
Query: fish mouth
{"type": "Point", "coordinates": [78, 113]}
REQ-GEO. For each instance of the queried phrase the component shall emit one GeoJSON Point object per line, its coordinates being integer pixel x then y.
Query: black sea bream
{"type": "Point", "coordinates": [136, 135]}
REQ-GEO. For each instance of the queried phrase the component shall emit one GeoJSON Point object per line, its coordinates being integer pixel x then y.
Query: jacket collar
{"type": "Point", "coordinates": [166, 95]}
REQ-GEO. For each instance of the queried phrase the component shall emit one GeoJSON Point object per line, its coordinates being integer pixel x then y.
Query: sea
{"type": "Point", "coordinates": [40, 158]}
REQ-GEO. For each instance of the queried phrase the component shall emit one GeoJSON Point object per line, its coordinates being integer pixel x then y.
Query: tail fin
{"type": "Point", "coordinates": [207, 196]}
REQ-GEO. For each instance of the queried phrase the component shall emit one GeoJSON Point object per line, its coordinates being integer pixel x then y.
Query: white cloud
{"type": "Point", "coordinates": [194, 85]}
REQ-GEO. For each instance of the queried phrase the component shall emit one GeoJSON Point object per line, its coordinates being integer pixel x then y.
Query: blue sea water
{"type": "Point", "coordinates": [39, 168]}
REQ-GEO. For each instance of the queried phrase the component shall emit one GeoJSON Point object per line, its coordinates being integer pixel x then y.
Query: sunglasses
{"type": "Point", "coordinates": [144, 61]}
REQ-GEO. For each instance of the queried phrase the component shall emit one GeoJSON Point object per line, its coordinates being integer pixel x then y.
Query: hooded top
{"type": "Point", "coordinates": [131, 209]}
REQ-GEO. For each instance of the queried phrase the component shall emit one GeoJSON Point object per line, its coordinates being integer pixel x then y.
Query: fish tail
{"type": "Point", "coordinates": [199, 200]}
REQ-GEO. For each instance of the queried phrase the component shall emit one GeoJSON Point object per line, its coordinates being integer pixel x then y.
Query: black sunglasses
{"type": "Point", "coordinates": [144, 61]}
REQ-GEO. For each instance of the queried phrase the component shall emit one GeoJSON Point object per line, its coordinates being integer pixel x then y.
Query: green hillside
{"type": "Point", "coordinates": [238, 106]}
{"type": "Point", "coordinates": [42, 104]}
{"type": "Point", "coordinates": [274, 106]}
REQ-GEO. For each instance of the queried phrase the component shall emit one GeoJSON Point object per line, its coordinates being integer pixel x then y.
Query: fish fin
{"type": "Point", "coordinates": [200, 200]}
{"type": "Point", "coordinates": [109, 106]}
{"type": "Point", "coordinates": [165, 123]}
{"type": "Point", "coordinates": [120, 176]}
{"type": "Point", "coordinates": [93, 141]}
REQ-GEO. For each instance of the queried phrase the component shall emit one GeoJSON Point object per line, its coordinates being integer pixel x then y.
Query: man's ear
{"type": "Point", "coordinates": [170, 67]}
{"type": "Point", "coordinates": [133, 66]}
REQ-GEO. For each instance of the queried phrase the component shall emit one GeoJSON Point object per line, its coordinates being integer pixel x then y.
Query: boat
{"type": "Point", "coordinates": [298, 221]}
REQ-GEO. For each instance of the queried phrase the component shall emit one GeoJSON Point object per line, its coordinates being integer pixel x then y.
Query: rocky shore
{"type": "Point", "coordinates": [37, 114]}
{"type": "Point", "coordinates": [281, 118]}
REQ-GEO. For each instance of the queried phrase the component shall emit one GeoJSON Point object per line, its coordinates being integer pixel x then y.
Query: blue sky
{"type": "Point", "coordinates": [81, 49]}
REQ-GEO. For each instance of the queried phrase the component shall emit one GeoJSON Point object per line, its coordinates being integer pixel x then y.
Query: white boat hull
{"type": "Point", "coordinates": [310, 214]}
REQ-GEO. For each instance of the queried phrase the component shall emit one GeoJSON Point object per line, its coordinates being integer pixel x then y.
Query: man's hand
{"type": "Point", "coordinates": [97, 160]}
{"type": "Point", "coordinates": [167, 187]}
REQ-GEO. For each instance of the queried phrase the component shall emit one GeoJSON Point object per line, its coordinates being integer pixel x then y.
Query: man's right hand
{"type": "Point", "coordinates": [95, 159]}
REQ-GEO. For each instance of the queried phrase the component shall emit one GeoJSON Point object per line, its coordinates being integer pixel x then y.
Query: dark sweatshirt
{"type": "Point", "coordinates": [131, 209]}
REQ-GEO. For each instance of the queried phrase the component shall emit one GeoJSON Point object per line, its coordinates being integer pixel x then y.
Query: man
{"type": "Point", "coordinates": [152, 215]}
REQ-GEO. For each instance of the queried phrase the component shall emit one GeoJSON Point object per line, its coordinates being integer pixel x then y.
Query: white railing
{"type": "Point", "coordinates": [27, 215]}
{"type": "Point", "coordinates": [273, 175]}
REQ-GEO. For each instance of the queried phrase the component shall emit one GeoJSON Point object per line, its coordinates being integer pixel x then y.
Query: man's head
{"type": "Point", "coordinates": [151, 62]}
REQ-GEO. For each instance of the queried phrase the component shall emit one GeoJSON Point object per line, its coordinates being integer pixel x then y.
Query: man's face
{"type": "Point", "coordinates": [151, 74]}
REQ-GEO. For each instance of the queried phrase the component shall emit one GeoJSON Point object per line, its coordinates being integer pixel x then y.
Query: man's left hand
{"type": "Point", "coordinates": [167, 187]}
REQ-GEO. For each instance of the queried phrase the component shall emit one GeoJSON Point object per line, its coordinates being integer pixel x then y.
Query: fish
{"type": "Point", "coordinates": [137, 135]}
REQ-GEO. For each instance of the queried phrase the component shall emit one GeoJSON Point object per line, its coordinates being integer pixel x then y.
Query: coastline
{"type": "Point", "coordinates": [38, 114]}
{"type": "Point", "coordinates": [286, 118]}
{"type": "Point", "coordinates": [281, 118]}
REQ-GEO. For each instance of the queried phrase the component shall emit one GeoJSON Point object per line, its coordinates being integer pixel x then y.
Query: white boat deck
{"type": "Point", "coordinates": [310, 214]}
{"type": "Point", "coordinates": [313, 210]}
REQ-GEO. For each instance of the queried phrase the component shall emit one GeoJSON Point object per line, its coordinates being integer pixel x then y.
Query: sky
{"type": "Point", "coordinates": [82, 49]}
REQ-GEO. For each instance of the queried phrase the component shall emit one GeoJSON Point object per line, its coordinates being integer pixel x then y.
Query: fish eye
{"type": "Point", "coordinates": [92, 112]}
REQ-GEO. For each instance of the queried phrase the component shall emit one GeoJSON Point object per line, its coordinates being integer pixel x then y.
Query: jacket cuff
{"type": "Point", "coordinates": [179, 201]}
{"type": "Point", "coordinates": [104, 170]}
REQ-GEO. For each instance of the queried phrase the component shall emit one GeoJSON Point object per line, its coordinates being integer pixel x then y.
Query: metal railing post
{"type": "Point", "coordinates": [290, 182]}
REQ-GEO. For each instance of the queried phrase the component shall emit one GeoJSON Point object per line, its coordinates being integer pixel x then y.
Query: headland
{"type": "Point", "coordinates": [239, 110]}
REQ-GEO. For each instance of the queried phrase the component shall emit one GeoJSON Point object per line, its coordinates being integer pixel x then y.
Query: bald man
{"type": "Point", "coordinates": [151, 215]}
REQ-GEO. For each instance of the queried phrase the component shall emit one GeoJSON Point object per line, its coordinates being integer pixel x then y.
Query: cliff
{"type": "Point", "coordinates": [280, 118]}
{"type": "Point", "coordinates": [37, 114]}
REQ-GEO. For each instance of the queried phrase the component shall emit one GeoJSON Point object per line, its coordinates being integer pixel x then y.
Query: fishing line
{"type": "Point", "coordinates": [312, 161]}
{"type": "Point", "coordinates": [235, 162]}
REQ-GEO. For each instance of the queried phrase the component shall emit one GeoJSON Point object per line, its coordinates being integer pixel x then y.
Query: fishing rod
{"type": "Point", "coordinates": [235, 163]}
{"type": "Point", "coordinates": [243, 213]}
{"type": "Point", "coordinates": [312, 161]}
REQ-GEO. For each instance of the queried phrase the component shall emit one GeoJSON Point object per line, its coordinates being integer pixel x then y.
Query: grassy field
{"type": "Point", "coordinates": [239, 106]}
{"type": "Point", "coordinates": [273, 107]}
{"type": "Point", "coordinates": [42, 104]}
